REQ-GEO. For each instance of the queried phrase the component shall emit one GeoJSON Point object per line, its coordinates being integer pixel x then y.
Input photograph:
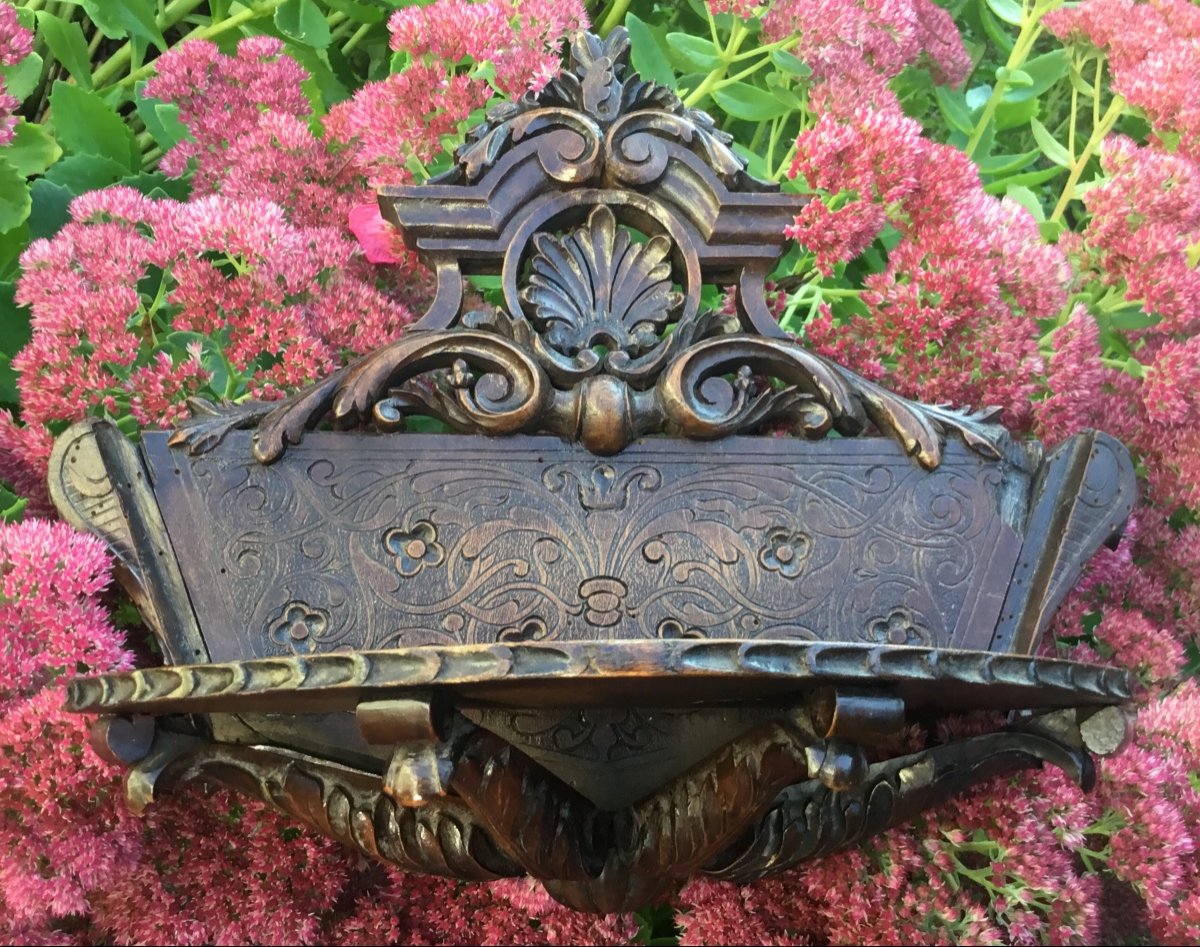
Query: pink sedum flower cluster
{"type": "Point", "coordinates": [1153, 49]}
{"type": "Point", "coordinates": [952, 316]}
{"type": "Point", "coordinates": [277, 298]}
{"type": "Point", "coordinates": [16, 43]}
{"type": "Point", "coordinates": [861, 44]}
{"type": "Point", "coordinates": [400, 124]}
{"type": "Point", "coordinates": [60, 833]}
{"type": "Point", "coordinates": [213, 91]}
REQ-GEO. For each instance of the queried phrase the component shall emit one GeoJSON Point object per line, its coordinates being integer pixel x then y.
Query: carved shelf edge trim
{"type": "Point", "coordinates": [339, 680]}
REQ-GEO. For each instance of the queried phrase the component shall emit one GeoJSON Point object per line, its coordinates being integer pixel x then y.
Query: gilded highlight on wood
{"type": "Point", "coordinates": [661, 602]}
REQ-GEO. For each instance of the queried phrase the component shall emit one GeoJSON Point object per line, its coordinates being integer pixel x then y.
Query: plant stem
{"type": "Point", "coordinates": [736, 38]}
{"type": "Point", "coordinates": [614, 17]}
{"type": "Point", "coordinates": [1031, 29]}
{"type": "Point", "coordinates": [1103, 127]}
{"type": "Point", "coordinates": [174, 11]}
{"type": "Point", "coordinates": [359, 35]}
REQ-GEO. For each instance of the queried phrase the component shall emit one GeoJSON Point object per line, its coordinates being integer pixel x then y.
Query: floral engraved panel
{"type": "Point", "coordinates": [447, 539]}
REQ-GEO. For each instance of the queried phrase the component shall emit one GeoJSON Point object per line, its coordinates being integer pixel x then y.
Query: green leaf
{"type": "Point", "coordinates": [87, 125]}
{"type": "Point", "coordinates": [50, 208]}
{"type": "Point", "coordinates": [1133, 317]}
{"type": "Point", "coordinates": [745, 101]}
{"type": "Point", "coordinates": [81, 173]}
{"type": "Point", "coordinates": [999, 166]}
{"type": "Point", "coordinates": [322, 87]}
{"type": "Point", "coordinates": [756, 164]}
{"type": "Point", "coordinates": [1011, 114]}
{"type": "Point", "coordinates": [21, 79]}
{"type": "Point", "coordinates": [1016, 78]}
{"type": "Point", "coordinates": [1027, 199]}
{"type": "Point", "coordinates": [12, 245]}
{"type": "Point", "coordinates": [15, 203]}
{"type": "Point", "coordinates": [786, 62]}
{"type": "Point", "coordinates": [954, 109]}
{"type": "Point", "coordinates": [14, 334]}
{"type": "Point", "coordinates": [14, 326]}
{"type": "Point", "coordinates": [648, 59]}
{"type": "Point", "coordinates": [11, 506]}
{"type": "Point", "coordinates": [996, 32]}
{"type": "Point", "coordinates": [1007, 10]}
{"type": "Point", "coordinates": [120, 18]}
{"type": "Point", "coordinates": [303, 21]}
{"type": "Point", "coordinates": [695, 52]}
{"type": "Point", "coordinates": [65, 39]}
{"type": "Point", "coordinates": [1050, 147]}
{"type": "Point", "coordinates": [160, 118]}
{"type": "Point", "coordinates": [360, 12]}
{"type": "Point", "coordinates": [32, 150]}
{"type": "Point", "coordinates": [158, 185]}
{"type": "Point", "coordinates": [8, 381]}
{"type": "Point", "coordinates": [779, 87]}
{"type": "Point", "coordinates": [1051, 230]}
{"type": "Point", "coordinates": [1027, 179]}
{"type": "Point", "coordinates": [1041, 72]}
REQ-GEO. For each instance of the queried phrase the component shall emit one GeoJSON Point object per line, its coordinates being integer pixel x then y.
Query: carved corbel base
{"type": "Point", "coordinates": [792, 787]}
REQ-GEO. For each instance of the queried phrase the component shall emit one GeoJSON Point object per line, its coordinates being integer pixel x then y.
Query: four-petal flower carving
{"type": "Point", "coordinates": [415, 548]}
{"type": "Point", "coordinates": [298, 627]}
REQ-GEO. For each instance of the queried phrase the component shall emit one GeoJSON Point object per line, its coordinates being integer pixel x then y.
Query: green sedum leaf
{"type": "Point", "coordinates": [21, 79]}
{"type": "Point", "coordinates": [1007, 10]}
{"type": "Point", "coordinates": [954, 109]}
{"type": "Point", "coordinates": [32, 150]}
{"type": "Point", "coordinates": [1027, 199]}
{"type": "Point", "coordinates": [120, 18]}
{"type": "Point", "coordinates": [86, 124]}
{"type": "Point", "coordinates": [65, 39]}
{"type": "Point", "coordinates": [647, 57]}
{"type": "Point", "coordinates": [161, 120]}
{"type": "Point", "coordinates": [15, 202]}
{"type": "Point", "coordinates": [745, 101]}
{"type": "Point", "coordinates": [693, 51]}
{"type": "Point", "coordinates": [1049, 145]}
{"type": "Point", "coordinates": [80, 173]}
{"type": "Point", "coordinates": [1038, 75]}
{"type": "Point", "coordinates": [303, 21]}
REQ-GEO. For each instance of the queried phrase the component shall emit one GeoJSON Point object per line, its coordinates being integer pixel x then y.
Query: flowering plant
{"type": "Point", "coordinates": [1006, 210]}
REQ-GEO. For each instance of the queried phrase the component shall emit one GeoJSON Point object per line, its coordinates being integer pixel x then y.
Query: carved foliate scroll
{"type": "Point", "coordinates": [659, 606]}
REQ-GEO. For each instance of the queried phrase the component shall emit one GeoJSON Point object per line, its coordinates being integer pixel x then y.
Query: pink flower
{"type": "Point", "coordinates": [1154, 52]}
{"type": "Point", "coordinates": [412, 116]}
{"type": "Point", "coordinates": [380, 241]}
{"type": "Point", "coordinates": [16, 43]}
{"type": "Point", "coordinates": [221, 98]}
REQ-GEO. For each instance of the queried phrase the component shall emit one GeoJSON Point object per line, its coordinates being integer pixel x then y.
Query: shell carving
{"type": "Point", "coordinates": [595, 286]}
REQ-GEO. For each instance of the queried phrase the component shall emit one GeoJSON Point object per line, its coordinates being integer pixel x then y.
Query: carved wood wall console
{"type": "Point", "coordinates": [613, 633]}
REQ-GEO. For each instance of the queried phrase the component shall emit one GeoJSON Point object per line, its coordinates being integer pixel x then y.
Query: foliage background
{"type": "Point", "coordinates": [1007, 212]}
